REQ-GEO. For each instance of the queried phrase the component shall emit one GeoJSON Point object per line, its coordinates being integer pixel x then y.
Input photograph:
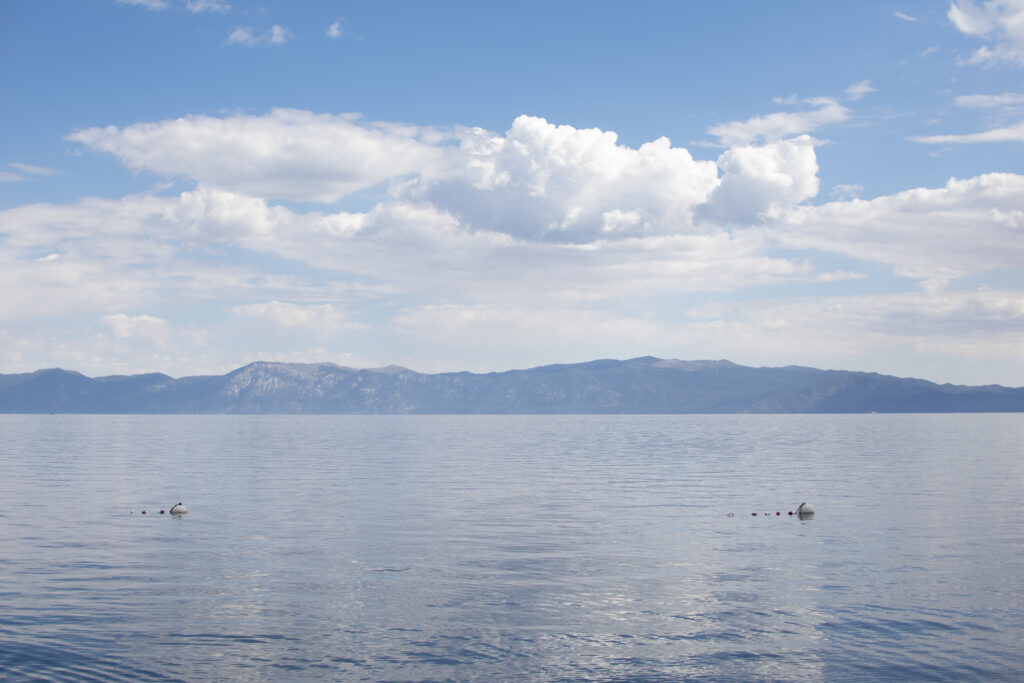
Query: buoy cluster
{"type": "Point", "coordinates": [803, 511]}
{"type": "Point", "coordinates": [176, 510]}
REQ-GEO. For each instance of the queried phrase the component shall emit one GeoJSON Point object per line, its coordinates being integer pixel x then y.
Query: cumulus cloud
{"type": "Point", "coordinates": [761, 183]}
{"type": "Point", "coordinates": [249, 37]}
{"type": "Point", "coordinates": [521, 237]}
{"type": "Point", "coordinates": [502, 214]}
{"type": "Point", "coordinates": [538, 181]}
{"type": "Point", "coordinates": [774, 127]}
{"type": "Point", "coordinates": [334, 30]}
{"type": "Point", "coordinates": [542, 181]}
{"type": "Point", "coordinates": [420, 248]}
{"type": "Point", "coordinates": [998, 22]}
{"type": "Point", "coordinates": [1013, 133]}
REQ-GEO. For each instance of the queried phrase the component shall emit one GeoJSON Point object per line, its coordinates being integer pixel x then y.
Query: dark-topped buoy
{"type": "Point", "coordinates": [178, 509]}
{"type": "Point", "coordinates": [804, 510]}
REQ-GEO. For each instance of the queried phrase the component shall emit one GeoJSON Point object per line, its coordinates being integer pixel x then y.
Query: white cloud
{"type": "Point", "coordinates": [69, 286]}
{"type": "Point", "coordinates": [774, 127]}
{"type": "Point", "coordinates": [934, 286]}
{"type": "Point", "coordinates": [999, 22]}
{"type": "Point", "coordinates": [243, 35]}
{"type": "Point", "coordinates": [34, 170]}
{"type": "Point", "coordinates": [145, 327]}
{"type": "Point", "coordinates": [977, 323]}
{"type": "Point", "coordinates": [279, 34]}
{"type": "Point", "coordinates": [25, 172]}
{"type": "Point", "coordinates": [248, 37]}
{"type": "Point", "coordinates": [840, 276]}
{"type": "Point", "coordinates": [1008, 134]}
{"type": "Point", "coordinates": [504, 214]}
{"type": "Point", "coordinates": [313, 317]}
{"type": "Point", "coordinates": [511, 326]}
{"type": "Point", "coordinates": [542, 208]}
{"type": "Point", "coordinates": [762, 183]}
{"type": "Point", "coordinates": [287, 154]}
{"type": "Point", "coordinates": [148, 4]}
{"type": "Point", "coordinates": [537, 181]}
{"type": "Point", "coordinates": [207, 6]}
{"type": "Point", "coordinates": [194, 6]}
{"type": "Point", "coordinates": [904, 17]}
{"type": "Point", "coordinates": [1005, 100]}
{"type": "Point", "coordinates": [846, 191]}
{"type": "Point", "coordinates": [859, 90]}
{"type": "Point", "coordinates": [490, 238]}
{"type": "Point", "coordinates": [969, 18]}
{"type": "Point", "coordinates": [967, 227]}
{"type": "Point", "coordinates": [558, 183]}
{"type": "Point", "coordinates": [334, 30]}
{"type": "Point", "coordinates": [834, 331]}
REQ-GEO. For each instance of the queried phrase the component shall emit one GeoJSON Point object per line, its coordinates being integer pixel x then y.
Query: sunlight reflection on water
{"type": "Point", "coordinates": [526, 547]}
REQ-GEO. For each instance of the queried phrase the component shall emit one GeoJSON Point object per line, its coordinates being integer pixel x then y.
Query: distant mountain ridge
{"type": "Point", "coordinates": [639, 385]}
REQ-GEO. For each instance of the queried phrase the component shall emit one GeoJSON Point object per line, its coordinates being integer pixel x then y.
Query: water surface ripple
{"type": "Point", "coordinates": [483, 548]}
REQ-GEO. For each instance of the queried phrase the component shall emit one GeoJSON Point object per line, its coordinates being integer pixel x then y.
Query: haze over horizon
{"type": "Point", "coordinates": [187, 186]}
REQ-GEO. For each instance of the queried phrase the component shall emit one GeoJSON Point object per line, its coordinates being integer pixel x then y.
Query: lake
{"type": "Point", "coordinates": [533, 548]}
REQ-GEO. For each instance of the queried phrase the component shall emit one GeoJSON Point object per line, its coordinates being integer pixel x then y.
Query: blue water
{"type": "Point", "coordinates": [486, 548]}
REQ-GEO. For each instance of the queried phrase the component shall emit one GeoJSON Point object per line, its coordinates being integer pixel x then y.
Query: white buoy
{"type": "Point", "coordinates": [178, 509]}
{"type": "Point", "coordinates": [803, 510]}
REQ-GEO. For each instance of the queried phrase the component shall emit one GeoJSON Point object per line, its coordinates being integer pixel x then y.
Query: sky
{"type": "Point", "coordinates": [187, 186]}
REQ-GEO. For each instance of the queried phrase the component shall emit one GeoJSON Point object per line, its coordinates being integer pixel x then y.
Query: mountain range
{"type": "Point", "coordinates": [639, 385]}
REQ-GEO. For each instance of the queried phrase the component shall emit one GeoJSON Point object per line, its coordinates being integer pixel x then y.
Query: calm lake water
{"type": "Point", "coordinates": [486, 548]}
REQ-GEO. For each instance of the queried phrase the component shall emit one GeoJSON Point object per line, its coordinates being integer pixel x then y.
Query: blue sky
{"type": "Point", "coordinates": [190, 185]}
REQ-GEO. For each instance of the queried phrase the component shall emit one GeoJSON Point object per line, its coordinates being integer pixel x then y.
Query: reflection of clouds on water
{"type": "Point", "coordinates": [482, 547]}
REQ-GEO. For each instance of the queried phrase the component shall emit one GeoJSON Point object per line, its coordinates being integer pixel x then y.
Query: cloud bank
{"type": "Point", "coordinates": [539, 237]}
